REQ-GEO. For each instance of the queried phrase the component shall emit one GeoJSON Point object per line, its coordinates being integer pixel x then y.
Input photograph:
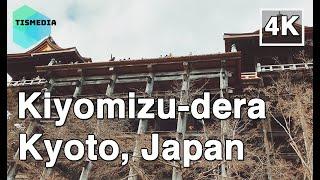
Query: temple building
{"type": "Point", "coordinates": [65, 73]}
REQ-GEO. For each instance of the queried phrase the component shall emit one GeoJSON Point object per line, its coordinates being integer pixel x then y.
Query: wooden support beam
{"type": "Point", "coordinates": [46, 173]}
{"type": "Point", "coordinates": [109, 93]}
{"type": "Point", "coordinates": [86, 170]}
{"type": "Point", "coordinates": [142, 128]}
{"type": "Point", "coordinates": [266, 128]}
{"type": "Point", "coordinates": [111, 85]}
{"type": "Point", "coordinates": [182, 119]}
{"type": "Point", "coordinates": [132, 78]}
{"type": "Point", "coordinates": [49, 88]}
{"type": "Point", "coordinates": [78, 88]}
{"type": "Point", "coordinates": [267, 148]}
{"type": "Point", "coordinates": [12, 171]}
{"type": "Point", "coordinates": [224, 124]}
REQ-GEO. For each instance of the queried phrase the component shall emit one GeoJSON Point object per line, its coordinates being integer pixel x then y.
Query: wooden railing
{"type": "Point", "coordinates": [28, 82]}
{"type": "Point", "coordinates": [249, 75]}
{"type": "Point", "coordinates": [283, 67]}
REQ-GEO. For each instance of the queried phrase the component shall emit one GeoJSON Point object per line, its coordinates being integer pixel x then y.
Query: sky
{"type": "Point", "coordinates": [149, 28]}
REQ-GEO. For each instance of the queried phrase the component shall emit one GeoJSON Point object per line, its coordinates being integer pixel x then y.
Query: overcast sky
{"type": "Point", "coordinates": [149, 28]}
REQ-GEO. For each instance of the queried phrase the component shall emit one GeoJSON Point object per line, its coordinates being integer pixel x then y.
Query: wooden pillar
{"type": "Point", "coordinates": [109, 93]}
{"type": "Point", "coordinates": [182, 118]}
{"type": "Point", "coordinates": [204, 129]}
{"type": "Point", "coordinates": [224, 123]}
{"type": "Point", "coordinates": [12, 171]}
{"type": "Point", "coordinates": [266, 128]}
{"type": "Point", "coordinates": [88, 165]}
{"type": "Point", "coordinates": [111, 85]}
{"type": "Point", "coordinates": [78, 88]}
{"type": "Point", "coordinates": [142, 128]}
{"type": "Point", "coordinates": [47, 171]}
{"type": "Point", "coordinates": [266, 142]}
{"type": "Point", "coordinates": [86, 170]}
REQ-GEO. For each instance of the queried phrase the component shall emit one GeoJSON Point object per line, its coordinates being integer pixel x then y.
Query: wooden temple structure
{"type": "Point", "coordinates": [65, 73]}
